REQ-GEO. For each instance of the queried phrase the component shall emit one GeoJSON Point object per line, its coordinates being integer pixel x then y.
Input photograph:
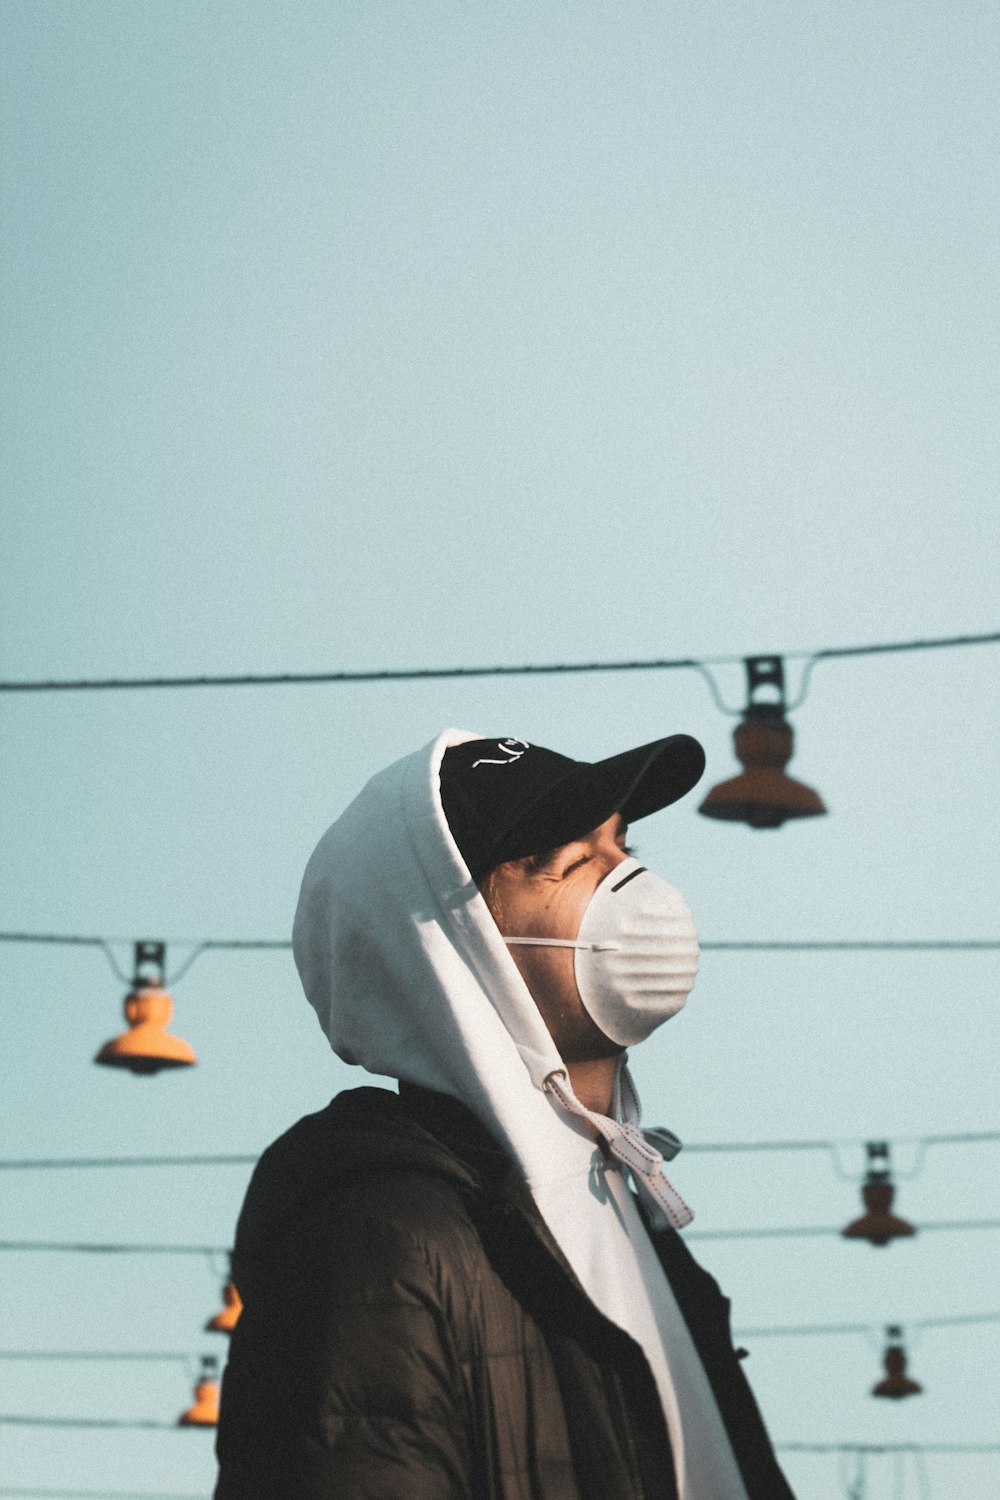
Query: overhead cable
{"type": "Point", "coordinates": [794, 1330]}
{"type": "Point", "coordinates": [15, 1420]}
{"type": "Point", "coordinates": [242, 1159]}
{"type": "Point", "coordinates": [792, 1231]}
{"type": "Point", "coordinates": [887, 1447]}
{"type": "Point", "coordinates": [537, 669]}
{"type": "Point", "coordinates": [822, 1230]}
{"type": "Point", "coordinates": [116, 1356]}
{"type": "Point", "coordinates": [966, 1138]}
{"type": "Point", "coordinates": [739, 945]}
{"type": "Point", "coordinates": [73, 1163]}
{"type": "Point", "coordinates": [787, 1447]}
{"type": "Point", "coordinates": [853, 945]}
{"type": "Point", "coordinates": [34, 1494]}
{"type": "Point", "coordinates": [63, 1247]}
{"type": "Point", "coordinates": [791, 1330]}
{"type": "Point", "coordinates": [200, 946]}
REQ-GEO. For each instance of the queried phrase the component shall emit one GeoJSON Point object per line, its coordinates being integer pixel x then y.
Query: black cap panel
{"type": "Point", "coordinates": [505, 798]}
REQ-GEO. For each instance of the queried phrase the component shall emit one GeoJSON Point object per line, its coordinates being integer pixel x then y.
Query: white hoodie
{"type": "Point", "coordinates": [409, 976]}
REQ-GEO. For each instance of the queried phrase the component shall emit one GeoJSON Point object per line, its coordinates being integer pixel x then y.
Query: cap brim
{"type": "Point", "coordinates": [635, 783]}
{"type": "Point", "coordinates": [655, 775]}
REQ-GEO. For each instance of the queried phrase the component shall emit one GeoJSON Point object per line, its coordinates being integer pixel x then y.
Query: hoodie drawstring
{"type": "Point", "coordinates": [628, 1145]}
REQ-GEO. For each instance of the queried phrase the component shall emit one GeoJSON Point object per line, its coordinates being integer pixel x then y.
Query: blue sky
{"type": "Point", "coordinates": [365, 336]}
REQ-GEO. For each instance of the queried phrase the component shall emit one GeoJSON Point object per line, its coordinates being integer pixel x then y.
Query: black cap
{"type": "Point", "coordinates": [505, 798]}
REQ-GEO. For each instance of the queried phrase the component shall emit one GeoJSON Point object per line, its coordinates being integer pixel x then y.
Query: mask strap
{"type": "Point", "coordinates": [628, 1145]}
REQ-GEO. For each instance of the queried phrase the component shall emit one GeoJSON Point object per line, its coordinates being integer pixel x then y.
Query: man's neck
{"type": "Point", "coordinates": [594, 1082]}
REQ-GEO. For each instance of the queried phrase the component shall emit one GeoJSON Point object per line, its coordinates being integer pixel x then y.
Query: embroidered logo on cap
{"type": "Point", "coordinates": [510, 751]}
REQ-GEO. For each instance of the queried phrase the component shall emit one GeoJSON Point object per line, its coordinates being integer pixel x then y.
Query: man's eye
{"type": "Point", "coordinates": [629, 849]}
{"type": "Point", "coordinates": [583, 860]}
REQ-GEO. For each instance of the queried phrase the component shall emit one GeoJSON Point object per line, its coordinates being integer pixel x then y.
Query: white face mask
{"type": "Point", "coordinates": [636, 953]}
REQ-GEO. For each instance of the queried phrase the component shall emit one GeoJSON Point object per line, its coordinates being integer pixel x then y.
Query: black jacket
{"type": "Point", "coordinates": [411, 1330]}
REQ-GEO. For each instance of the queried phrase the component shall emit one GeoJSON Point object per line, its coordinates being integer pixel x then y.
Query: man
{"type": "Point", "coordinates": [475, 1289]}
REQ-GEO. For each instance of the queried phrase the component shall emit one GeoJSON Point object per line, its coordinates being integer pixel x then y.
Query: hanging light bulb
{"type": "Point", "coordinates": [232, 1305]}
{"type": "Point", "coordinates": [205, 1411]}
{"type": "Point", "coordinates": [877, 1224]}
{"type": "Point", "coordinates": [897, 1383]}
{"type": "Point", "coordinates": [147, 1045]}
{"type": "Point", "coordinates": [763, 795]}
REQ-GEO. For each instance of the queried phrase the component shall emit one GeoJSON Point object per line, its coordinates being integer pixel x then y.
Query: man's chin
{"type": "Point", "coordinates": [584, 1049]}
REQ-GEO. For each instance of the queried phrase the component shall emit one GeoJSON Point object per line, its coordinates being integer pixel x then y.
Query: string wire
{"type": "Point", "coordinates": [805, 1447]}
{"type": "Point", "coordinates": [49, 1494]}
{"type": "Point", "coordinates": [795, 1330]}
{"type": "Point", "coordinates": [117, 1356]}
{"type": "Point", "coordinates": [66, 1247]}
{"type": "Point", "coordinates": [729, 945]}
{"type": "Point", "coordinates": [792, 1330]}
{"type": "Point", "coordinates": [17, 1420]}
{"type": "Point", "coordinates": [767, 1232]}
{"type": "Point", "coordinates": [739, 945]}
{"type": "Point", "coordinates": [7, 1419]}
{"type": "Point", "coordinates": [528, 669]}
{"type": "Point", "coordinates": [243, 1159]}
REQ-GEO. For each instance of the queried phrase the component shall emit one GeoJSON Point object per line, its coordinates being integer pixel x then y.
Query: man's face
{"type": "Point", "coordinates": [546, 896]}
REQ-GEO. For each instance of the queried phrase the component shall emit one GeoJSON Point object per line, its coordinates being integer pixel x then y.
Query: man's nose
{"type": "Point", "coordinates": [612, 852]}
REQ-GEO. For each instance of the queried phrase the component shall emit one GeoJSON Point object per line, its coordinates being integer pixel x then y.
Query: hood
{"type": "Point", "coordinates": [404, 965]}
{"type": "Point", "coordinates": [409, 976]}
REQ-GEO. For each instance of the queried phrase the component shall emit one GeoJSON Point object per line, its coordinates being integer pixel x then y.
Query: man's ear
{"type": "Point", "coordinates": [501, 879]}
{"type": "Point", "coordinates": [491, 890]}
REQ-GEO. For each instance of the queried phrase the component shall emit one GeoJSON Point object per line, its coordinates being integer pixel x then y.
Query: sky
{"type": "Point", "coordinates": [369, 336]}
